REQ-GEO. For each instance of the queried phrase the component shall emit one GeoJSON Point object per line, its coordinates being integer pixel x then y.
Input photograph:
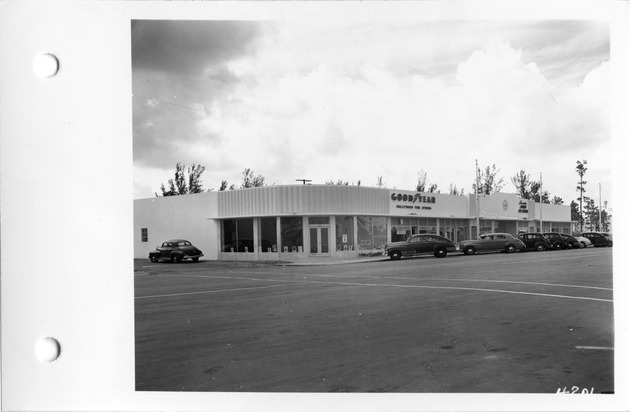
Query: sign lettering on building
{"type": "Point", "coordinates": [522, 207]}
{"type": "Point", "coordinates": [416, 201]}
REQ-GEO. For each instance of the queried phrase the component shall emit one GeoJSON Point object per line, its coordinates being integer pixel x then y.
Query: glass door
{"type": "Point", "coordinates": [323, 240]}
{"type": "Point", "coordinates": [319, 240]}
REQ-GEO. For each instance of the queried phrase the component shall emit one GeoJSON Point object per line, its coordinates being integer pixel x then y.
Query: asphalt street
{"type": "Point", "coordinates": [535, 322]}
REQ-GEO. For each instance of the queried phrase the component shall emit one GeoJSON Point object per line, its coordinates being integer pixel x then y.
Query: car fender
{"type": "Point", "coordinates": [515, 245]}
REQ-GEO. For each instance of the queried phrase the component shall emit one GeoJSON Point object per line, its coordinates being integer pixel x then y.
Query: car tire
{"type": "Point", "coordinates": [540, 247]}
{"type": "Point", "coordinates": [195, 259]}
{"type": "Point", "coordinates": [440, 252]}
{"type": "Point", "coordinates": [582, 245]}
{"type": "Point", "coordinates": [609, 244]}
{"type": "Point", "coordinates": [154, 259]}
{"type": "Point", "coordinates": [469, 250]}
{"type": "Point", "coordinates": [510, 249]}
{"type": "Point", "coordinates": [395, 255]}
{"type": "Point", "coordinates": [176, 258]}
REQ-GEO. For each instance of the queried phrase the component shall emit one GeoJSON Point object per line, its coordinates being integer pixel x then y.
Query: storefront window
{"type": "Point", "coordinates": [228, 240]}
{"type": "Point", "coordinates": [379, 232]}
{"type": "Point", "coordinates": [561, 227]}
{"type": "Point", "coordinates": [371, 232]}
{"type": "Point", "coordinates": [345, 232]}
{"type": "Point", "coordinates": [318, 220]}
{"type": "Point", "coordinates": [455, 230]}
{"type": "Point", "coordinates": [400, 233]}
{"type": "Point", "coordinates": [486, 227]}
{"type": "Point", "coordinates": [291, 233]}
{"type": "Point", "coordinates": [418, 225]}
{"type": "Point", "coordinates": [238, 235]}
{"type": "Point", "coordinates": [462, 234]}
{"type": "Point", "coordinates": [268, 235]}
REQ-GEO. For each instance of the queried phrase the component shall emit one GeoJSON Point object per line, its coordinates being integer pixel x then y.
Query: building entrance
{"type": "Point", "coordinates": [319, 240]}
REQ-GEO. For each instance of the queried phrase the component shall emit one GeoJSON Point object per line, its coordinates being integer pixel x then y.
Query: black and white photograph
{"type": "Point", "coordinates": [275, 206]}
{"type": "Point", "coordinates": [373, 206]}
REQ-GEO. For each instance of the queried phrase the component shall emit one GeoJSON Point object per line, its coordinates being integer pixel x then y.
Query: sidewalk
{"type": "Point", "coordinates": [309, 261]}
{"type": "Point", "coordinates": [325, 260]}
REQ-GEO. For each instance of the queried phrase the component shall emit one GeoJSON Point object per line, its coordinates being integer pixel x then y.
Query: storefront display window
{"type": "Point", "coordinates": [268, 236]}
{"type": "Point", "coordinates": [345, 232]}
{"type": "Point", "coordinates": [462, 234]}
{"type": "Point", "coordinates": [419, 225]}
{"type": "Point", "coordinates": [400, 233]}
{"type": "Point", "coordinates": [291, 234]}
{"type": "Point", "coordinates": [454, 230]}
{"type": "Point", "coordinates": [561, 227]}
{"type": "Point", "coordinates": [318, 220]}
{"type": "Point", "coordinates": [238, 235]}
{"type": "Point", "coordinates": [486, 227]}
{"type": "Point", "coordinates": [371, 232]}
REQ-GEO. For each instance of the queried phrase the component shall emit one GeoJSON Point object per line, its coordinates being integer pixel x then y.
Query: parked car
{"type": "Point", "coordinates": [571, 241]}
{"type": "Point", "coordinates": [598, 239]}
{"type": "Point", "coordinates": [420, 244]}
{"type": "Point", "coordinates": [491, 242]}
{"type": "Point", "coordinates": [584, 241]}
{"type": "Point", "coordinates": [175, 250]}
{"type": "Point", "coordinates": [555, 240]}
{"type": "Point", "coordinates": [607, 236]}
{"type": "Point", "coordinates": [535, 241]}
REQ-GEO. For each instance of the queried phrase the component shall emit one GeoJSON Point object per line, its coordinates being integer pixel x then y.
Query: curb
{"type": "Point", "coordinates": [331, 262]}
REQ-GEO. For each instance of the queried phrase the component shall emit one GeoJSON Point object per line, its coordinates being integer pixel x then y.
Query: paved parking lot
{"type": "Point", "coordinates": [535, 322]}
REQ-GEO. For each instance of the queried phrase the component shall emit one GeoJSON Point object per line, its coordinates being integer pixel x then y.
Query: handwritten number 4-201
{"type": "Point", "coordinates": [576, 389]}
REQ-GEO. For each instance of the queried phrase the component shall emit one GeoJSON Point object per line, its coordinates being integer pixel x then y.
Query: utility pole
{"type": "Point", "coordinates": [599, 221]}
{"type": "Point", "coordinates": [477, 196]}
{"type": "Point", "coordinates": [541, 204]}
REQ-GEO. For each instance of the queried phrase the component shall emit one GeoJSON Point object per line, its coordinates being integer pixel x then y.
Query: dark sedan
{"type": "Point", "coordinates": [572, 242]}
{"type": "Point", "coordinates": [491, 242]}
{"type": "Point", "coordinates": [556, 240]}
{"type": "Point", "coordinates": [420, 244]}
{"type": "Point", "coordinates": [535, 241]}
{"type": "Point", "coordinates": [175, 250]}
{"type": "Point", "coordinates": [598, 239]}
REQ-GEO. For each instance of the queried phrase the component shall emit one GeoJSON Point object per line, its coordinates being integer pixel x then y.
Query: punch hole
{"type": "Point", "coordinates": [45, 65]}
{"type": "Point", "coordinates": [47, 349]}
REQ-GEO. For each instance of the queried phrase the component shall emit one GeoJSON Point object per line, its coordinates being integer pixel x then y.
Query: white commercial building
{"type": "Point", "coordinates": [292, 222]}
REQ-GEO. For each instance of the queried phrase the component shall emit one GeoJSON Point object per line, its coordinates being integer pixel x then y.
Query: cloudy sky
{"type": "Point", "coordinates": [359, 100]}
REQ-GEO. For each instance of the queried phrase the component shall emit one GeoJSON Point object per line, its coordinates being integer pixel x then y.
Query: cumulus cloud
{"type": "Point", "coordinates": [188, 47]}
{"type": "Point", "coordinates": [300, 106]}
{"type": "Point", "coordinates": [179, 70]}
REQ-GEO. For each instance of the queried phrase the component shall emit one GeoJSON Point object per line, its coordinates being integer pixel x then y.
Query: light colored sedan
{"type": "Point", "coordinates": [584, 242]}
